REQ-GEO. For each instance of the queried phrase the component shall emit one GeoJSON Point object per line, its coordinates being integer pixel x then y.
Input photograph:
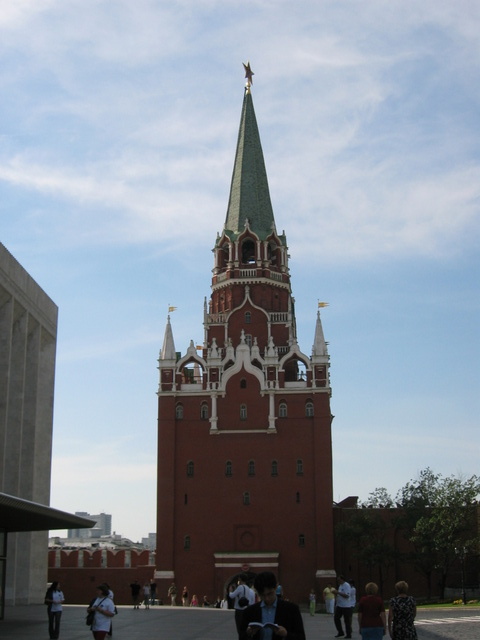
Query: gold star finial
{"type": "Point", "coordinates": [248, 75]}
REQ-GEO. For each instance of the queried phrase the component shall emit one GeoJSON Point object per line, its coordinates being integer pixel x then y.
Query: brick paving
{"type": "Point", "coordinates": [177, 623]}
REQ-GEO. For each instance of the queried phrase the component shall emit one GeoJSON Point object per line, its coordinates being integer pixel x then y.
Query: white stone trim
{"type": "Point", "coordinates": [163, 575]}
{"type": "Point", "coordinates": [326, 573]}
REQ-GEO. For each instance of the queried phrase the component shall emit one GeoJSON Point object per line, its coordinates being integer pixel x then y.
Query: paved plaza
{"type": "Point", "coordinates": [177, 623]}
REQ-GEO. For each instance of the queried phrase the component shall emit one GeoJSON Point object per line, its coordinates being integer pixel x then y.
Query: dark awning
{"type": "Point", "coordinates": [17, 514]}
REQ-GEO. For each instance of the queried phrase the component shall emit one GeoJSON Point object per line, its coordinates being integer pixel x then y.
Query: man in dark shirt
{"type": "Point", "coordinates": [284, 617]}
{"type": "Point", "coordinates": [135, 588]}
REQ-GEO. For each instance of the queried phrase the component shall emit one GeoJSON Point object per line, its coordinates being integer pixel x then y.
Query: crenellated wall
{"type": "Point", "coordinates": [80, 571]}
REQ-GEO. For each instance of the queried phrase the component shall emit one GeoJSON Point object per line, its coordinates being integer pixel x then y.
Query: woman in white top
{"type": "Point", "coordinates": [54, 598]}
{"type": "Point", "coordinates": [104, 610]}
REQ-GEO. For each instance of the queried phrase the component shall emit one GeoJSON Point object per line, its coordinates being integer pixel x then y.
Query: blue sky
{"type": "Point", "coordinates": [118, 126]}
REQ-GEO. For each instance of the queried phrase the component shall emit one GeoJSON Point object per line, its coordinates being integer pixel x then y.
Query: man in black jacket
{"type": "Point", "coordinates": [285, 616]}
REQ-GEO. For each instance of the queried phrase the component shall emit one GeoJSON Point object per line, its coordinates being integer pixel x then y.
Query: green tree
{"type": "Point", "coordinates": [379, 498]}
{"type": "Point", "coordinates": [438, 516]}
{"type": "Point", "coordinates": [366, 533]}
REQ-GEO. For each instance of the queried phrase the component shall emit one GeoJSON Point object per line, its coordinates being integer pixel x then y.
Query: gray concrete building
{"type": "Point", "coordinates": [28, 334]}
{"type": "Point", "coordinates": [103, 526]}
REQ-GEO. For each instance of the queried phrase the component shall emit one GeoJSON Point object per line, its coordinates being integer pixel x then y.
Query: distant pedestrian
{"type": "Point", "coordinates": [153, 591]}
{"type": "Point", "coordinates": [401, 614]}
{"type": "Point", "coordinates": [371, 614]}
{"type": "Point", "coordinates": [205, 602]}
{"type": "Point", "coordinates": [312, 602]}
{"type": "Point", "coordinates": [329, 599]}
{"type": "Point", "coordinates": [172, 594]}
{"type": "Point", "coordinates": [184, 597]}
{"type": "Point", "coordinates": [54, 599]}
{"type": "Point", "coordinates": [353, 594]}
{"type": "Point", "coordinates": [146, 595]}
{"type": "Point", "coordinates": [135, 589]}
{"type": "Point", "coordinates": [194, 601]}
{"type": "Point", "coordinates": [343, 608]}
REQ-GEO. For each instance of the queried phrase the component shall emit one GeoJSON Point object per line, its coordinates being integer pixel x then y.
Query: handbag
{"type": "Point", "coordinates": [243, 601]}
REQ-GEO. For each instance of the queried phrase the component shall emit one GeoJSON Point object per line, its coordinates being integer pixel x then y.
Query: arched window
{"type": "Point", "coordinates": [248, 339]}
{"type": "Point", "coordinates": [204, 411]}
{"type": "Point", "coordinates": [246, 498]}
{"type": "Point", "coordinates": [309, 409]}
{"type": "Point", "coordinates": [301, 540]}
{"type": "Point", "coordinates": [190, 467]}
{"type": "Point", "coordinates": [186, 542]}
{"type": "Point", "coordinates": [297, 497]}
{"type": "Point", "coordinates": [248, 252]}
{"type": "Point", "coordinates": [243, 412]}
{"type": "Point", "coordinates": [179, 411]}
{"type": "Point", "coordinates": [228, 468]}
{"type": "Point", "coordinates": [251, 467]}
{"type": "Point", "coordinates": [295, 370]}
{"type": "Point", "coordinates": [282, 410]}
{"type": "Point", "coordinates": [248, 317]}
{"type": "Point", "coordinates": [299, 467]}
{"type": "Point", "coordinates": [274, 468]}
{"type": "Point", "coordinates": [243, 383]}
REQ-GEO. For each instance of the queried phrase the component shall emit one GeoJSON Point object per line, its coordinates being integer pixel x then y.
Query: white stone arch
{"type": "Point", "coordinates": [295, 351]}
{"type": "Point", "coordinates": [242, 361]}
{"type": "Point", "coordinates": [192, 357]}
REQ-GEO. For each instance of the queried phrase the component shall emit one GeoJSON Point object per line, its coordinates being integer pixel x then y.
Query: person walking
{"type": "Point", "coordinates": [371, 614]}
{"type": "Point", "coordinates": [135, 589]}
{"type": "Point", "coordinates": [329, 599]}
{"type": "Point", "coordinates": [242, 597]}
{"type": "Point", "coordinates": [172, 594]}
{"type": "Point", "coordinates": [146, 595]}
{"type": "Point", "coordinates": [153, 591]}
{"type": "Point", "coordinates": [103, 609]}
{"type": "Point", "coordinates": [54, 599]}
{"type": "Point", "coordinates": [312, 602]}
{"type": "Point", "coordinates": [343, 608]}
{"type": "Point", "coordinates": [401, 614]}
{"type": "Point", "coordinates": [353, 595]}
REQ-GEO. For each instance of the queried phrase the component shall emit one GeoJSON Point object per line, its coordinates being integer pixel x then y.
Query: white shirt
{"type": "Point", "coordinates": [242, 591]}
{"type": "Point", "coordinates": [101, 622]}
{"type": "Point", "coordinates": [57, 597]}
{"type": "Point", "coordinates": [353, 596]}
{"type": "Point", "coordinates": [341, 601]}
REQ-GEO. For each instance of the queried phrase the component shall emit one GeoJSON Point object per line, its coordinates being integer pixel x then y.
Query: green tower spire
{"type": "Point", "coordinates": [249, 193]}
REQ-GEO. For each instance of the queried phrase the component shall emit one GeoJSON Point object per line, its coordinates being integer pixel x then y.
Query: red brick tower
{"type": "Point", "coordinates": [244, 429]}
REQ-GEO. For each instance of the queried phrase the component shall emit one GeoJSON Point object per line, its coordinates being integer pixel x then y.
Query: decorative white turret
{"type": "Point", "coordinates": [168, 354]}
{"type": "Point", "coordinates": [319, 349]}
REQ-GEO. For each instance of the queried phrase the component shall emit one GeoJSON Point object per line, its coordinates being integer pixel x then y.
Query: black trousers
{"type": "Point", "coordinates": [54, 624]}
{"type": "Point", "coordinates": [347, 613]}
{"type": "Point", "coordinates": [238, 619]}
